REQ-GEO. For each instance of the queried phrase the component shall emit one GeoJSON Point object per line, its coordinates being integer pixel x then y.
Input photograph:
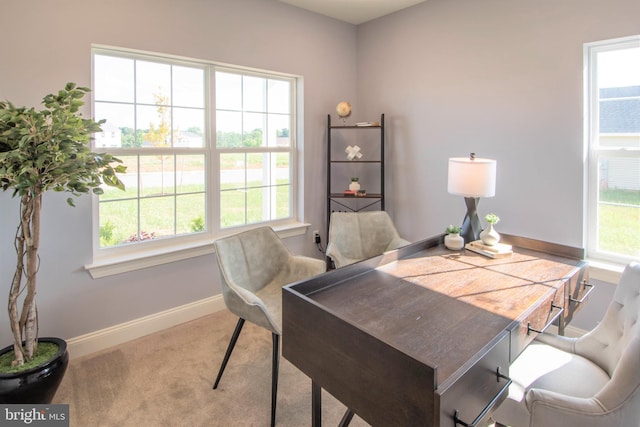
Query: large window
{"type": "Point", "coordinates": [253, 142]}
{"type": "Point", "coordinates": [206, 148]}
{"type": "Point", "coordinates": [613, 133]}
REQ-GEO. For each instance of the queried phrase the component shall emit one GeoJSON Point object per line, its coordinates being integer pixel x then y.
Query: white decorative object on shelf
{"type": "Point", "coordinates": [355, 185]}
{"type": "Point", "coordinates": [353, 152]}
{"type": "Point", "coordinates": [454, 242]}
{"type": "Point", "coordinates": [489, 235]}
{"type": "Point", "coordinates": [344, 110]}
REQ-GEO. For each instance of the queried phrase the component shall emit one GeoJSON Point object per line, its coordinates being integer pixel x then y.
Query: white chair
{"type": "Point", "coordinates": [354, 236]}
{"type": "Point", "coordinates": [590, 381]}
{"type": "Point", "coordinates": [254, 266]}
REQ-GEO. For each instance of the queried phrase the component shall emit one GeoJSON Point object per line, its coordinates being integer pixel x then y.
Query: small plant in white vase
{"type": "Point", "coordinates": [489, 235]}
{"type": "Point", "coordinates": [453, 240]}
{"type": "Point", "coordinates": [355, 184]}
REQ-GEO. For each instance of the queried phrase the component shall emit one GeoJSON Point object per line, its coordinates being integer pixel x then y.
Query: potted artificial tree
{"type": "Point", "coordinates": [42, 150]}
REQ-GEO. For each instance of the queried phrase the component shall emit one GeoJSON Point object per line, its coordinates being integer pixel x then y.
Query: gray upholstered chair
{"type": "Point", "coordinates": [354, 236]}
{"type": "Point", "coordinates": [254, 266]}
{"type": "Point", "coordinates": [591, 381]}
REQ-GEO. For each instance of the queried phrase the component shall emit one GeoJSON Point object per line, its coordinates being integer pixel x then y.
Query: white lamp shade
{"type": "Point", "coordinates": [472, 177]}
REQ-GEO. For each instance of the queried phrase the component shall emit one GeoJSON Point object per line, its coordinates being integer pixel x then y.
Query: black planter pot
{"type": "Point", "coordinates": [39, 384]}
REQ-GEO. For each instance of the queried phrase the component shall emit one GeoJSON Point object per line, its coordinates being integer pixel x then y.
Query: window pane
{"type": "Point", "coordinates": [619, 98]}
{"type": "Point", "coordinates": [254, 94]}
{"type": "Point", "coordinates": [188, 87]}
{"type": "Point", "coordinates": [619, 206]}
{"type": "Point", "coordinates": [279, 96]}
{"type": "Point", "coordinates": [157, 217]}
{"type": "Point", "coordinates": [188, 127]}
{"type": "Point", "coordinates": [254, 131]}
{"type": "Point", "coordinates": [190, 174]}
{"type": "Point", "coordinates": [157, 175]}
{"type": "Point", "coordinates": [283, 201]}
{"type": "Point", "coordinates": [190, 214]}
{"type": "Point", "coordinates": [229, 133]}
{"type": "Point", "coordinates": [129, 179]}
{"type": "Point", "coordinates": [118, 222]}
{"type": "Point", "coordinates": [113, 79]}
{"type": "Point", "coordinates": [257, 169]}
{"type": "Point", "coordinates": [153, 83]}
{"type": "Point", "coordinates": [283, 168]}
{"type": "Point", "coordinates": [232, 208]}
{"type": "Point", "coordinates": [118, 129]}
{"type": "Point", "coordinates": [228, 91]}
{"type": "Point", "coordinates": [279, 130]}
{"type": "Point", "coordinates": [619, 68]}
{"type": "Point", "coordinates": [258, 205]}
{"type": "Point", "coordinates": [155, 124]}
{"type": "Point", "coordinates": [232, 171]}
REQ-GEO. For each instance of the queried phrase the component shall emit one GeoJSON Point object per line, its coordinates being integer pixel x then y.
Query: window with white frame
{"type": "Point", "coordinates": [254, 147]}
{"type": "Point", "coordinates": [206, 148]}
{"type": "Point", "coordinates": [612, 94]}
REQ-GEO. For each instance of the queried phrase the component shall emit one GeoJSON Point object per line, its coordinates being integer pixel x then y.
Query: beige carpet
{"type": "Point", "coordinates": [165, 379]}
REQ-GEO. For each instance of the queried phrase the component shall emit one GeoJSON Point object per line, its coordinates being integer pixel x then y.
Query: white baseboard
{"type": "Point", "coordinates": [115, 335]}
{"type": "Point", "coordinates": [118, 334]}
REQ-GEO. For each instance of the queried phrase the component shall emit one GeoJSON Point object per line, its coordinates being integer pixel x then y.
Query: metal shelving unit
{"type": "Point", "coordinates": [371, 163]}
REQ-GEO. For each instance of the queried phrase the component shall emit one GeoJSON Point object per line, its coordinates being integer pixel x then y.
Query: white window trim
{"type": "Point", "coordinates": [107, 262]}
{"type": "Point", "coordinates": [172, 253]}
{"type": "Point", "coordinates": [602, 267]}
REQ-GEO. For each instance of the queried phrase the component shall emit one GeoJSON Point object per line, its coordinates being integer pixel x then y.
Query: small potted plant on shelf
{"type": "Point", "coordinates": [453, 240]}
{"type": "Point", "coordinates": [355, 184]}
{"type": "Point", "coordinates": [42, 150]}
{"type": "Point", "coordinates": [489, 235]}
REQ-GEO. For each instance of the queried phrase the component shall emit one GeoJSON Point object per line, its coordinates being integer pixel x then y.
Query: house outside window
{"type": "Point", "coordinates": [209, 150]}
{"type": "Point", "coordinates": [612, 91]}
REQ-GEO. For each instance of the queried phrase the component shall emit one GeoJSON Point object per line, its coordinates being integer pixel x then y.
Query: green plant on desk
{"type": "Point", "coordinates": [492, 219]}
{"type": "Point", "coordinates": [452, 229]}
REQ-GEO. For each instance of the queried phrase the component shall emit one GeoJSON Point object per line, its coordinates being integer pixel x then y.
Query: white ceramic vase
{"type": "Point", "coordinates": [354, 186]}
{"type": "Point", "coordinates": [489, 236]}
{"type": "Point", "coordinates": [455, 242]}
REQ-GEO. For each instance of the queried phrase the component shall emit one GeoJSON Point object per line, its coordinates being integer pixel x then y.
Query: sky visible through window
{"type": "Point", "coordinates": [619, 68]}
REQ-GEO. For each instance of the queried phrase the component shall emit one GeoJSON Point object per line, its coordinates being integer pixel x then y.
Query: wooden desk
{"type": "Point", "coordinates": [424, 336]}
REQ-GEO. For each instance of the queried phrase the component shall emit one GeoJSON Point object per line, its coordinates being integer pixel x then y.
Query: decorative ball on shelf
{"type": "Point", "coordinates": [344, 110]}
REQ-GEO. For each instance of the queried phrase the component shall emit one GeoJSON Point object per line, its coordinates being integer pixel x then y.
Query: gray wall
{"type": "Point", "coordinates": [499, 78]}
{"type": "Point", "coordinates": [50, 45]}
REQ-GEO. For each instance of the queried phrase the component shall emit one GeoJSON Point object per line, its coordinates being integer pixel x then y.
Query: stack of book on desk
{"type": "Point", "coordinates": [499, 250]}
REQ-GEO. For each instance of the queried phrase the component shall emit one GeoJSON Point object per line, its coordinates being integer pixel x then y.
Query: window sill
{"type": "Point", "coordinates": [605, 271]}
{"type": "Point", "coordinates": [144, 259]}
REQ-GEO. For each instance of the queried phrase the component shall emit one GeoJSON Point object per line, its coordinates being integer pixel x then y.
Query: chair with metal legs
{"type": "Point", "coordinates": [254, 266]}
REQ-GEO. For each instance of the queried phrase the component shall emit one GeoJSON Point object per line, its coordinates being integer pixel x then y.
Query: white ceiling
{"type": "Point", "coordinates": [353, 11]}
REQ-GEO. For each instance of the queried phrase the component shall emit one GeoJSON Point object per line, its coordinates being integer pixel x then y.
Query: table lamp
{"type": "Point", "coordinates": [472, 178]}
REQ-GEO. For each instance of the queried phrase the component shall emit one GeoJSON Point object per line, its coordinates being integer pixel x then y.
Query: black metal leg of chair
{"type": "Point", "coordinates": [232, 344]}
{"type": "Point", "coordinates": [346, 418]}
{"type": "Point", "coordinates": [274, 377]}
